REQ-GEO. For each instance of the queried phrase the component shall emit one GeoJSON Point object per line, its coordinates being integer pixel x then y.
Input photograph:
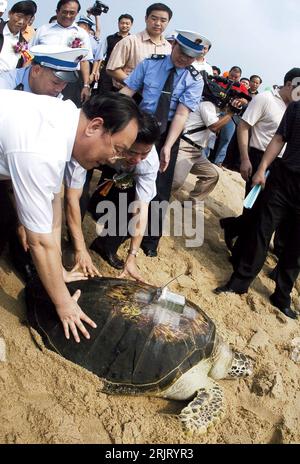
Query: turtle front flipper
{"type": "Point", "coordinates": [205, 409]}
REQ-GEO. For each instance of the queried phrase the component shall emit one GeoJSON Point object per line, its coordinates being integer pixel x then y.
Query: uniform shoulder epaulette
{"type": "Point", "coordinates": [155, 56]}
{"type": "Point", "coordinates": [196, 74]}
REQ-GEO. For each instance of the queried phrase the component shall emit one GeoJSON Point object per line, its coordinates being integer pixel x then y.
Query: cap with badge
{"type": "Point", "coordinates": [86, 20]}
{"type": "Point", "coordinates": [171, 37]}
{"type": "Point", "coordinates": [191, 43]}
{"type": "Point", "coordinates": [63, 60]}
{"type": "Point", "coordinates": [3, 5]}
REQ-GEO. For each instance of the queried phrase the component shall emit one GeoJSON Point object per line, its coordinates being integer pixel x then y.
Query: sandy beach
{"type": "Point", "coordinates": [46, 399]}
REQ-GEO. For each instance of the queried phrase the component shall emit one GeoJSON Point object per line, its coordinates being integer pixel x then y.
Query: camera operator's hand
{"type": "Point", "coordinates": [246, 169]}
{"type": "Point", "coordinates": [235, 105]}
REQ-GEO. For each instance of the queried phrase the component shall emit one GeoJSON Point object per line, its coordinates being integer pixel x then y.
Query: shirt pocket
{"type": "Point", "coordinates": [179, 89]}
{"type": "Point", "coordinates": [151, 89]}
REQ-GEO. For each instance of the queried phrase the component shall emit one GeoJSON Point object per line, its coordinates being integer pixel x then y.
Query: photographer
{"type": "Point", "coordinates": [191, 159]}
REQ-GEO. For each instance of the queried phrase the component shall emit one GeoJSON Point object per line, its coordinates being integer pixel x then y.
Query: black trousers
{"type": "Point", "coordinates": [73, 91]}
{"type": "Point", "coordinates": [8, 228]}
{"type": "Point", "coordinates": [111, 243]}
{"type": "Point", "coordinates": [237, 225]}
{"type": "Point", "coordinates": [8, 217]}
{"type": "Point", "coordinates": [164, 186]}
{"type": "Point", "coordinates": [280, 204]}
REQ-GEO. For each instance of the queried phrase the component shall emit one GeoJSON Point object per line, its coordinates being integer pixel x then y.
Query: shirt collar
{"type": "Point", "coordinates": [276, 93]}
{"type": "Point", "coordinates": [6, 31]}
{"type": "Point", "coordinates": [56, 25]}
{"type": "Point", "coordinates": [146, 36]}
{"type": "Point", "coordinates": [170, 65]}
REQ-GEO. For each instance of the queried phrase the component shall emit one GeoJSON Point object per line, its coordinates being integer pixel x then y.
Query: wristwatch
{"type": "Point", "coordinates": [86, 85]}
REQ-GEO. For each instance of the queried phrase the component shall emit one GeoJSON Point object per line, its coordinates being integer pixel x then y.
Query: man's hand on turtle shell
{"type": "Point", "coordinates": [74, 275]}
{"type": "Point", "coordinates": [131, 269]}
{"type": "Point", "coordinates": [84, 262]}
{"type": "Point", "coordinates": [71, 316]}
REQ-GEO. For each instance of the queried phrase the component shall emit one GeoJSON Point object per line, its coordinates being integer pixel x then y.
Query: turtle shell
{"type": "Point", "coordinates": [140, 342]}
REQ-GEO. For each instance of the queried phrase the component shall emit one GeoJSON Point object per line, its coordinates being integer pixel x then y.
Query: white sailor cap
{"type": "Point", "coordinates": [86, 20]}
{"type": "Point", "coordinates": [191, 42]}
{"type": "Point", "coordinates": [63, 60]}
{"type": "Point", "coordinates": [172, 36]}
{"type": "Point", "coordinates": [3, 5]}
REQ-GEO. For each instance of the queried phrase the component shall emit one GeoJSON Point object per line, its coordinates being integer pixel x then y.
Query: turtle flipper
{"type": "Point", "coordinates": [205, 409]}
{"type": "Point", "coordinates": [242, 366]}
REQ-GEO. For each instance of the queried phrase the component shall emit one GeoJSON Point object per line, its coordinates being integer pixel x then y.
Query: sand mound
{"type": "Point", "coordinates": [46, 399]}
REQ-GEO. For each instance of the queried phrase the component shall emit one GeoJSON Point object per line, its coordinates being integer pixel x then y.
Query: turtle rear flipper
{"type": "Point", "coordinates": [205, 409]}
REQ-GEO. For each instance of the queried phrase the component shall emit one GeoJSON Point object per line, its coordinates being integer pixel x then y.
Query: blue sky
{"type": "Point", "coordinates": [260, 36]}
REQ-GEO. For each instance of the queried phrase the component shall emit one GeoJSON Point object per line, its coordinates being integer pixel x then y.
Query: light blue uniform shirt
{"type": "Point", "coordinates": [149, 78]}
{"type": "Point", "coordinates": [9, 80]}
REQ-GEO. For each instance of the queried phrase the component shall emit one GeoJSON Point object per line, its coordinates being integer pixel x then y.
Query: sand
{"type": "Point", "coordinates": [46, 399]}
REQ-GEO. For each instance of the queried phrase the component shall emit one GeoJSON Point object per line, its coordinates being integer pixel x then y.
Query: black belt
{"type": "Point", "coordinates": [194, 144]}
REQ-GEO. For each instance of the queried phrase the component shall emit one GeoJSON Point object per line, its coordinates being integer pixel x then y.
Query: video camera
{"type": "Point", "coordinates": [98, 8]}
{"type": "Point", "coordinates": [221, 91]}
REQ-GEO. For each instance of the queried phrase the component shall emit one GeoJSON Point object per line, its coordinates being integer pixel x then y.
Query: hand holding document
{"type": "Point", "coordinates": [253, 194]}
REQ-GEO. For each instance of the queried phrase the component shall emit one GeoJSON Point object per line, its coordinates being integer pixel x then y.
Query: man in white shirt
{"type": "Point", "coordinates": [49, 73]}
{"type": "Point", "coordinates": [66, 32]}
{"type": "Point", "coordinates": [12, 43]}
{"type": "Point", "coordinates": [200, 62]}
{"type": "Point", "coordinates": [204, 121]}
{"type": "Point", "coordinates": [139, 166]}
{"type": "Point", "coordinates": [36, 142]}
{"type": "Point", "coordinates": [261, 119]}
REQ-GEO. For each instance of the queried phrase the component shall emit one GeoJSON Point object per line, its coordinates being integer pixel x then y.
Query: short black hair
{"type": "Point", "coordinates": [236, 68]}
{"type": "Point", "coordinates": [215, 68]}
{"type": "Point", "coordinates": [63, 2]}
{"type": "Point", "coordinates": [125, 16]}
{"type": "Point", "coordinates": [149, 132]}
{"type": "Point", "coordinates": [53, 18]}
{"type": "Point", "coordinates": [255, 76]}
{"type": "Point", "coordinates": [291, 75]}
{"type": "Point", "coordinates": [27, 8]}
{"type": "Point", "coordinates": [116, 110]}
{"type": "Point", "coordinates": [159, 7]}
{"type": "Point", "coordinates": [245, 79]}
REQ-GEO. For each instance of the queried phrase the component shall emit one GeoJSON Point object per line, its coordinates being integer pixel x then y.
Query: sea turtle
{"type": "Point", "coordinates": [148, 341]}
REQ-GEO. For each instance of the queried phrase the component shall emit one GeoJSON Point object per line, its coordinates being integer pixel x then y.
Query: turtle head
{"type": "Point", "coordinates": [242, 366]}
{"type": "Point", "coordinates": [229, 364]}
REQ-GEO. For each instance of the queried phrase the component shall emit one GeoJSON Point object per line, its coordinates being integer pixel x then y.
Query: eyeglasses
{"type": "Point", "coordinates": [118, 153]}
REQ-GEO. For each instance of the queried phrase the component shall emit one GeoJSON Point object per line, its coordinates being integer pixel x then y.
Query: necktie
{"type": "Point", "coordinates": [164, 102]}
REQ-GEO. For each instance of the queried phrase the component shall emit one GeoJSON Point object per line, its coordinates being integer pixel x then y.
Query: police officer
{"type": "Point", "coordinates": [53, 66]}
{"type": "Point", "coordinates": [171, 102]}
